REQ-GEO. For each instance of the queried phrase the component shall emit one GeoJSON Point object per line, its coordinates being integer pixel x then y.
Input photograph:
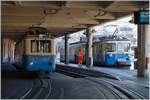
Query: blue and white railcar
{"type": "Point", "coordinates": [107, 51]}
{"type": "Point", "coordinates": [112, 51]}
{"type": "Point", "coordinates": [120, 54]}
{"type": "Point", "coordinates": [39, 54]}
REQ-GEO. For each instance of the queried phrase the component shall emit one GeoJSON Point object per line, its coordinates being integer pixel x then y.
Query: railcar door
{"type": "Point", "coordinates": [99, 53]}
{"type": "Point", "coordinates": [110, 52]}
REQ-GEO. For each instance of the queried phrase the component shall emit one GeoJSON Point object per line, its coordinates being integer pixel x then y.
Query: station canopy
{"type": "Point", "coordinates": [62, 17]}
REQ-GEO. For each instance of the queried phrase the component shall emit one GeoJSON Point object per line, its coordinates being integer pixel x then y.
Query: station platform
{"type": "Point", "coordinates": [123, 74]}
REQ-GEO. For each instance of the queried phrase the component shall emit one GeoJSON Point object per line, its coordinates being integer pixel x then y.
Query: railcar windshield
{"type": "Point", "coordinates": [123, 47]}
{"type": "Point", "coordinates": [40, 46]}
{"type": "Point", "coordinates": [110, 47]}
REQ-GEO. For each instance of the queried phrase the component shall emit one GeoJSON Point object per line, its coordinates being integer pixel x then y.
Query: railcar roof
{"type": "Point", "coordinates": [79, 42]}
{"type": "Point", "coordinates": [111, 38]}
{"type": "Point", "coordinates": [102, 38]}
{"type": "Point", "coordinates": [37, 36]}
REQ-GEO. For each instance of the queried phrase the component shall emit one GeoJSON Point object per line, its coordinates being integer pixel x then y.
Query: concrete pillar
{"type": "Point", "coordinates": [141, 51]}
{"type": "Point", "coordinates": [147, 49]}
{"type": "Point", "coordinates": [89, 55]}
{"type": "Point", "coordinates": [66, 49]}
{"type": "Point", "coordinates": [2, 47]}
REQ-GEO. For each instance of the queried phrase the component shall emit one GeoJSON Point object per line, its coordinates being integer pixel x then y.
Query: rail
{"type": "Point", "coordinates": [41, 89]}
{"type": "Point", "coordinates": [117, 91]}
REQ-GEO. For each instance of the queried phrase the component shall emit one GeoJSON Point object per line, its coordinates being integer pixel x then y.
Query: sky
{"type": "Point", "coordinates": [108, 28]}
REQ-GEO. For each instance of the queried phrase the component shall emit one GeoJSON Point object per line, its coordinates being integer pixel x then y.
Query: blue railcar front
{"type": "Point", "coordinates": [39, 54]}
{"type": "Point", "coordinates": [39, 63]}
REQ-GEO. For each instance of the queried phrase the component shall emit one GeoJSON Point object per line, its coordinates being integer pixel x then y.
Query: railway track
{"type": "Point", "coordinates": [113, 90]}
{"type": "Point", "coordinates": [33, 86]}
{"type": "Point", "coordinates": [133, 88]}
{"type": "Point", "coordinates": [123, 91]}
{"type": "Point", "coordinates": [41, 89]}
{"type": "Point", "coordinates": [104, 87]}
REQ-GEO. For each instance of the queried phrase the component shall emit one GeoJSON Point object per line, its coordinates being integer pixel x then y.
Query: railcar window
{"type": "Point", "coordinates": [110, 47]}
{"type": "Point", "coordinates": [94, 49]}
{"type": "Point", "coordinates": [34, 46]}
{"type": "Point", "coordinates": [45, 46]}
{"type": "Point", "coordinates": [40, 46]}
{"type": "Point", "coordinates": [98, 48]}
{"type": "Point", "coordinates": [120, 47]}
{"type": "Point", "coordinates": [126, 47]}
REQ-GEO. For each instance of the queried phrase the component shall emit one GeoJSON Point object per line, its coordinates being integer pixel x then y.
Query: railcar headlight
{"type": "Point", "coordinates": [110, 55]}
{"type": "Point", "coordinates": [31, 63]}
{"type": "Point", "coordinates": [127, 59]}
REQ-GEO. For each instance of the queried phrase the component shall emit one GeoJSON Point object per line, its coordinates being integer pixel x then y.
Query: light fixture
{"type": "Point", "coordinates": [101, 12]}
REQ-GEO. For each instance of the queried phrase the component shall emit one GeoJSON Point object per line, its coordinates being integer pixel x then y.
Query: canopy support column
{"type": "Point", "coordinates": [66, 49]}
{"type": "Point", "coordinates": [141, 51]}
{"type": "Point", "coordinates": [89, 55]}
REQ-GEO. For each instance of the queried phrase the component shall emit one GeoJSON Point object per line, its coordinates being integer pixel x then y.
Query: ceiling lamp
{"type": "Point", "coordinates": [50, 11]}
{"type": "Point", "coordinates": [100, 13]}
